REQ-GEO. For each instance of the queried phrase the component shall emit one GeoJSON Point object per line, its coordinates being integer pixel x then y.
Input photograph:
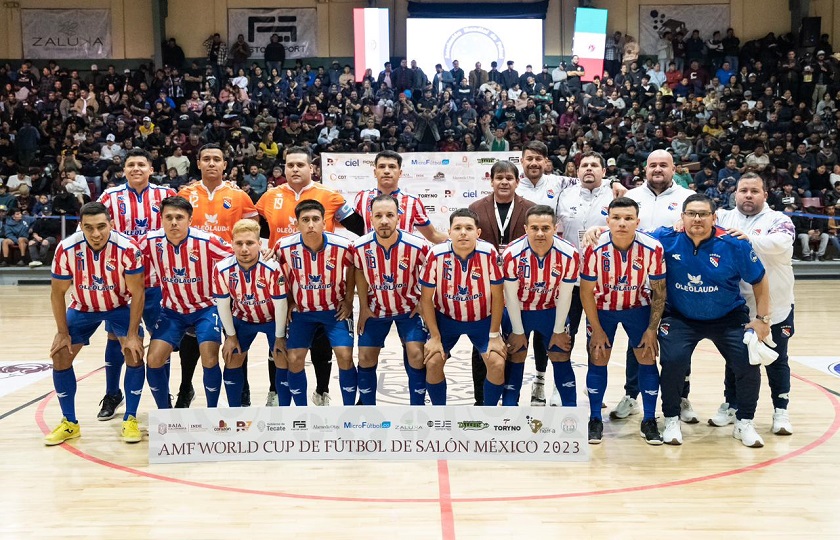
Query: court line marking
{"type": "Point", "coordinates": [447, 516]}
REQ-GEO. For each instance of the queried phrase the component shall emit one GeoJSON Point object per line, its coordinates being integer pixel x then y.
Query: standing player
{"type": "Point", "coordinates": [461, 294]}
{"type": "Point", "coordinates": [613, 290]}
{"type": "Point", "coordinates": [771, 235]}
{"type": "Point", "coordinates": [540, 272]}
{"type": "Point", "coordinates": [388, 264]}
{"type": "Point", "coordinates": [183, 258]}
{"type": "Point", "coordinates": [318, 269]}
{"type": "Point", "coordinates": [105, 270]}
{"type": "Point", "coordinates": [278, 206]}
{"type": "Point", "coordinates": [251, 299]}
{"type": "Point", "coordinates": [134, 208]}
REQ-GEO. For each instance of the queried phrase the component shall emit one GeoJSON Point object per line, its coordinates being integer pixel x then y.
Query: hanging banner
{"type": "Point", "coordinates": [655, 20]}
{"type": "Point", "coordinates": [66, 33]}
{"type": "Point", "coordinates": [297, 29]}
{"type": "Point", "coordinates": [589, 41]}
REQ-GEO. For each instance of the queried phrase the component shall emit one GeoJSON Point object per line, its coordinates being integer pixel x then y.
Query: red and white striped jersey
{"type": "Point", "coordinates": [463, 285]}
{"type": "Point", "coordinates": [411, 210]}
{"type": "Point", "coordinates": [98, 277]}
{"type": "Point", "coordinates": [393, 275]}
{"type": "Point", "coordinates": [136, 213]}
{"type": "Point", "coordinates": [539, 278]}
{"type": "Point", "coordinates": [251, 291]}
{"type": "Point", "coordinates": [621, 276]}
{"type": "Point", "coordinates": [315, 279]}
{"type": "Point", "coordinates": [185, 270]}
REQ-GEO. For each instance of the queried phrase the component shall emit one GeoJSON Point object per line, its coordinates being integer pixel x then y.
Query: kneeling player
{"type": "Point", "coordinates": [251, 299]}
{"type": "Point", "coordinates": [613, 290]}
{"type": "Point", "coordinates": [540, 273]}
{"type": "Point", "coordinates": [388, 265]}
{"type": "Point", "coordinates": [462, 294]}
{"type": "Point", "coordinates": [318, 269]}
{"type": "Point", "coordinates": [105, 270]}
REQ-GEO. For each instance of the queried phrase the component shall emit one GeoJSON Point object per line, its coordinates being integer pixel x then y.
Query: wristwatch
{"type": "Point", "coordinates": [494, 335]}
{"type": "Point", "coordinates": [765, 319]}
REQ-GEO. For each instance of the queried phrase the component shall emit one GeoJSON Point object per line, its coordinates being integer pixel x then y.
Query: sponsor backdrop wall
{"type": "Point", "coordinates": [444, 181]}
{"type": "Point", "coordinates": [66, 33]}
{"type": "Point", "coordinates": [297, 29]}
{"type": "Point", "coordinates": [656, 19]}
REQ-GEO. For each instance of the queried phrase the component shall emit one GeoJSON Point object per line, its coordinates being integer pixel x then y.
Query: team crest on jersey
{"type": "Point", "coordinates": [476, 274]}
{"type": "Point", "coordinates": [403, 264]}
{"type": "Point", "coordinates": [637, 263]}
{"type": "Point", "coordinates": [330, 264]}
{"type": "Point", "coordinates": [787, 331]}
{"type": "Point", "coordinates": [110, 265]}
{"type": "Point", "coordinates": [138, 254]}
{"type": "Point", "coordinates": [604, 211]}
{"type": "Point", "coordinates": [550, 193]}
{"type": "Point", "coordinates": [556, 271]}
{"type": "Point", "coordinates": [673, 206]}
{"type": "Point", "coordinates": [753, 256]}
{"type": "Point", "coordinates": [714, 258]}
{"type": "Point", "coordinates": [260, 283]}
{"type": "Point", "coordinates": [194, 255]}
{"type": "Point", "coordinates": [664, 329]}
{"type": "Point", "coordinates": [156, 208]}
{"type": "Point", "coordinates": [757, 231]}
{"type": "Point", "coordinates": [227, 203]}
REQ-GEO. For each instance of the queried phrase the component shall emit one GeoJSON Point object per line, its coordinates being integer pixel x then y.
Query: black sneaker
{"type": "Point", "coordinates": [184, 399]}
{"type": "Point", "coordinates": [109, 406]}
{"type": "Point", "coordinates": [650, 432]}
{"type": "Point", "coordinates": [246, 397]}
{"type": "Point", "coordinates": [596, 430]}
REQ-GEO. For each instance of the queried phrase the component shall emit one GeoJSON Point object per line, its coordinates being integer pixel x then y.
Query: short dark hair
{"type": "Point", "coordinates": [178, 203]}
{"type": "Point", "coordinates": [595, 155]}
{"type": "Point", "coordinates": [699, 197]}
{"type": "Point", "coordinates": [536, 146]}
{"type": "Point", "coordinates": [504, 166]}
{"type": "Point", "coordinates": [751, 176]}
{"type": "Point", "coordinates": [463, 212]}
{"type": "Point", "coordinates": [88, 209]}
{"type": "Point", "coordinates": [307, 205]}
{"type": "Point", "coordinates": [300, 150]}
{"type": "Point", "coordinates": [388, 154]}
{"type": "Point", "coordinates": [139, 152]}
{"type": "Point", "coordinates": [385, 197]}
{"type": "Point", "coordinates": [211, 146]}
{"type": "Point", "coordinates": [623, 202]}
{"type": "Point", "coordinates": [540, 210]}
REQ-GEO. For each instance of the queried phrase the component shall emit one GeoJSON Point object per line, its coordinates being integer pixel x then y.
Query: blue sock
{"type": "Point", "coordinates": [281, 382]}
{"type": "Point", "coordinates": [348, 380]}
{"type": "Point", "coordinates": [437, 392]}
{"type": "Point", "coordinates": [649, 386]}
{"type": "Point", "coordinates": [564, 380]}
{"type": "Point", "coordinates": [114, 361]}
{"type": "Point", "coordinates": [133, 383]}
{"type": "Point", "coordinates": [367, 385]}
{"type": "Point", "coordinates": [513, 384]}
{"type": "Point", "coordinates": [212, 385]}
{"type": "Point", "coordinates": [596, 385]}
{"type": "Point", "coordinates": [159, 386]}
{"type": "Point", "coordinates": [65, 389]}
{"type": "Point", "coordinates": [168, 367]}
{"type": "Point", "coordinates": [234, 380]}
{"type": "Point", "coordinates": [416, 385]}
{"type": "Point", "coordinates": [493, 392]}
{"type": "Point", "coordinates": [297, 387]}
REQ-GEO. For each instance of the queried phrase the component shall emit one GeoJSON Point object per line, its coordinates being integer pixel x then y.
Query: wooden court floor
{"type": "Point", "coordinates": [711, 487]}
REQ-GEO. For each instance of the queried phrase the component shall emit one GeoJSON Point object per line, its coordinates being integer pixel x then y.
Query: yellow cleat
{"type": "Point", "coordinates": [66, 430]}
{"type": "Point", "coordinates": [131, 431]}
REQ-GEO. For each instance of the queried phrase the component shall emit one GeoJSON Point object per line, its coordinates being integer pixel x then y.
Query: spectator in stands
{"type": "Point", "coordinates": [811, 228]}
{"type": "Point", "coordinates": [43, 237]}
{"type": "Point", "coordinates": [15, 235]}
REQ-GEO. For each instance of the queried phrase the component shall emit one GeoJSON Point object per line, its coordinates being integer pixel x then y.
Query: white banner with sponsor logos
{"type": "Point", "coordinates": [381, 433]}
{"type": "Point", "coordinates": [445, 181]}
{"type": "Point", "coordinates": [296, 28]}
{"type": "Point", "coordinates": [66, 33]}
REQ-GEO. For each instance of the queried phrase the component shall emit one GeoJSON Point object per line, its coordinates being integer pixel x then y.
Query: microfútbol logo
{"type": "Point", "coordinates": [473, 38]}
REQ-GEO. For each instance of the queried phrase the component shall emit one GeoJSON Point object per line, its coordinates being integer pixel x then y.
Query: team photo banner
{"type": "Point", "coordinates": [297, 29]}
{"type": "Point", "coordinates": [380, 433]}
{"type": "Point", "coordinates": [66, 33]}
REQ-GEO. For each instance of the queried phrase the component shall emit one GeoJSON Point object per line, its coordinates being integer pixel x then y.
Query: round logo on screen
{"type": "Point", "coordinates": [465, 41]}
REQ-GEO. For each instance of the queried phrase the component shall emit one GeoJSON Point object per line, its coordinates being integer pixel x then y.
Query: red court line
{"type": "Point", "coordinates": [447, 517]}
{"type": "Point", "coordinates": [444, 487]}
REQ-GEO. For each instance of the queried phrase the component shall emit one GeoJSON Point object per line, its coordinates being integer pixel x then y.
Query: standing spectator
{"type": "Point", "coordinates": [612, 54]}
{"type": "Point", "coordinates": [217, 53]}
{"type": "Point", "coordinates": [679, 50]}
{"type": "Point", "coordinates": [173, 54]}
{"type": "Point", "coordinates": [275, 55]}
{"type": "Point", "coordinates": [27, 142]}
{"type": "Point", "coordinates": [822, 78]}
{"type": "Point", "coordinates": [43, 237]}
{"type": "Point", "coordinates": [731, 48]}
{"type": "Point", "coordinates": [457, 72]}
{"type": "Point", "coordinates": [665, 49]}
{"type": "Point", "coordinates": [240, 52]}
{"type": "Point", "coordinates": [478, 76]}
{"type": "Point", "coordinates": [694, 47]}
{"type": "Point", "coordinates": [16, 233]}
{"type": "Point", "coordinates": [573, 75]}
{"type": "Point", "coordinates": [510, 76]}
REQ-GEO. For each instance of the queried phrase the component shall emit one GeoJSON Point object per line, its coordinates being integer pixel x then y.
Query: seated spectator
{"type": "Point", "coordinates": [256, 180]}
{"type": "Point", "coordinates": [15, 234]}
{"type": "Point", "coordinates": [811, 228]}
{"type": "Point", "coordinates": [43, 237]}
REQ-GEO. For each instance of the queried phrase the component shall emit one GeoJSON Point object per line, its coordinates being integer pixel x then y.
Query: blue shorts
{"type": "Point", "coordinates": [409, 329]}
{"type": "Point", "coordinates": [246, 332]}
{"type": "Point", "coordinates": [451, 330]}
{"type": "Point", "coordinates": [635, 321]}
{"type": "Point", "coordinates": [303, 326]}
{"type": "Point", "coordinates": [151, 308]}
{"type": "Point", "coordinates": [82, 324]}
{"type": "Point", "coordinates": [171, 326]}
{"type": "Point", "coordinates": [540, 321]}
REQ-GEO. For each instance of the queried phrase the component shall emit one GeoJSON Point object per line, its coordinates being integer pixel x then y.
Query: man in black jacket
{"type": "Point", "coordinates": [811, 227]}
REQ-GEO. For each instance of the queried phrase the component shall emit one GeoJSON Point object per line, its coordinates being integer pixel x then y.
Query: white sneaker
{"type": "Point", "coordinates": [673, 432]}
{"type": "Point", "coordinates": [538, 394]}
{"type": "Point", "coordinates": [34, 264]}
{"type": "Point", "coordinates": [555, 400]}
{"type": "Point", "coordinates": [745, 432]}
{"type": "Point", "coordinates": [321, 400]}
{"type": "Point", "coordinates": [725, 415]}
{"type": "Point", "coordinates": [625, 408]}
{"type": "Point", "coordinates": [687, 414]}
{"type": "Point", "coordinates": [271, 400]}
{"type": "Point", "coordinates": [781, 423]}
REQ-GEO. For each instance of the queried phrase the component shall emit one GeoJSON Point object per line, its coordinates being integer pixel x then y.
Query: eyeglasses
{"type": "Point", "coordinates": [694, 215]}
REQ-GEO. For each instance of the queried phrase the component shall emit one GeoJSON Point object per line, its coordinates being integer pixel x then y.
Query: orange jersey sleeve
{"type": "Point", "coordinates": [218, 211]}
{"type": "Point", "coordinates": [278, 204]}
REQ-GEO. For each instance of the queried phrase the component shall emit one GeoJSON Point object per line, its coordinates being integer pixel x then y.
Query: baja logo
{"type": "Point", "coordinates": [664, 329]}
{"type": "Point", "coordinates": [227, 203]}
{"type": "Point", "coordinates": [787, 331]}
{"type": "Point", "coordinates": [714, 258]}
{"type": "Point", "coordinates": [403, 264]}
{"type": "Point", "coordinates": [194, 255]}
{"type": "Point", "coordinates": [673, 206]}
{"type": "Point", "coordinates": [110, 265]}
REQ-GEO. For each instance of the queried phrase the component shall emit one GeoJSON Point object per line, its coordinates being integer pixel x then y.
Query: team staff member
{"type": "Point", "coordinates": [705, 267]}
{"type": "Point", "coordinates": [771, 235]}
{"type": "Point", "coordinates": [134, 208]}
{"type": "Point", "coordinates": [277, 206]}
{"type": "Point", "coordinates": [105, 270]}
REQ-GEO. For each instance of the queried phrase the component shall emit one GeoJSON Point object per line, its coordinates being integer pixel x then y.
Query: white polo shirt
{"type": "Point", "coordinates": [661, 210]}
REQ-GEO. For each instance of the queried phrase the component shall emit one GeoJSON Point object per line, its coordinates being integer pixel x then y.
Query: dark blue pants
{"type": "Point", "coordinates": [678, 337]}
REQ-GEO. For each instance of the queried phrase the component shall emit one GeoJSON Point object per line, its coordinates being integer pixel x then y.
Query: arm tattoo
{"type": "Point", "coordinates": [657, 303]}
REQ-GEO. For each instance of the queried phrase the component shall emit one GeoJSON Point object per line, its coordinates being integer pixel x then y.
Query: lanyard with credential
{"type": "Point", "coordinates": [502, 226]}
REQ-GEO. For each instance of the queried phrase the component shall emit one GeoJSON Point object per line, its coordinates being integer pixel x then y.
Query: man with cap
{"type": "Point", "coordinates": [110, 148]}
{"type": "Point", "coordinates": [510, 76]}
{"type": "Point", "coordinates": [822, 78]}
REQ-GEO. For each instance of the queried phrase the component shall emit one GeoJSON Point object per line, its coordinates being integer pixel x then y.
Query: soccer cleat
{"type": "Point", "coordinates": [745, 432]}
{"type": "Point", "coordinates": [109, 406]}
{"type": "Point", "coordinates": [538, 394]}
{"type": "Point", "coordinates": [321, 400]}
{"type": "Point", "coordinates": [65, 431]}
{"type": "Point", "coordinates": [185, 398]}
{"type": "Point", "coordinates": [673, 432]}
{"type": "Point", "coordinates": [596, 430]}
{"type": "Point", "coordinates": [625, 408]}
{"type": "Point", "coordinates": [650, 432]}
{"type": "Point", "coordinates": [131, 431]}
{"type": "Point", "coordinates": [687, 413]}
{"type": "Point", "coordinates": [781, 423]}
{"type": "Point", "coordinates": [555, 399]}
{"type": "Point", "coordinates": [725, 415]}
{"type": "Point", "coordinates": [271, 399]}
